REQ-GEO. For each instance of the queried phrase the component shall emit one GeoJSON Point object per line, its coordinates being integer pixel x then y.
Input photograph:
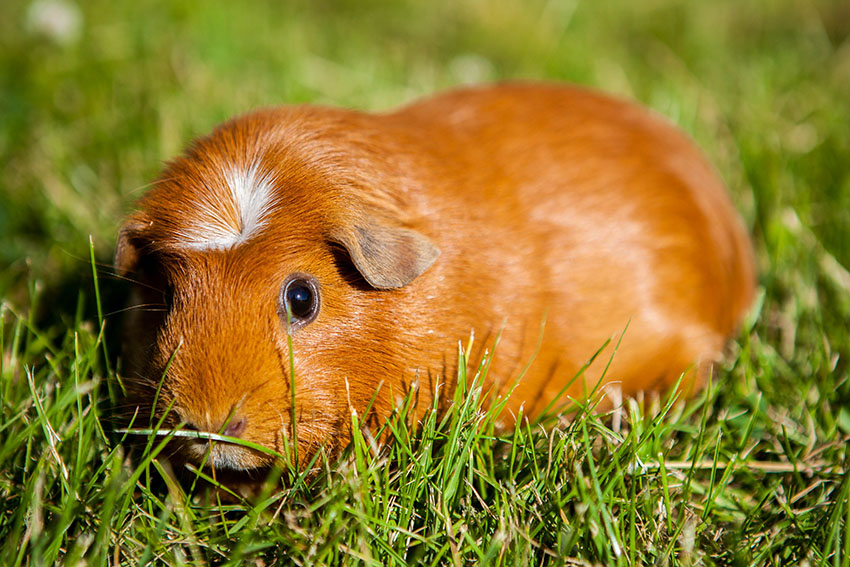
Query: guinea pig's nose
{"type": "Point", "coordinates": [235, 427]}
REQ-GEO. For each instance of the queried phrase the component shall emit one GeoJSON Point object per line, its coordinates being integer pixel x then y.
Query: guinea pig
{"type": "Point", "coordinates": [552, 217]}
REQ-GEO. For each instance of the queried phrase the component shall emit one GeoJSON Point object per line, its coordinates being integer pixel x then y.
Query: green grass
{"type": "Point", "coordinates": [752, 472]}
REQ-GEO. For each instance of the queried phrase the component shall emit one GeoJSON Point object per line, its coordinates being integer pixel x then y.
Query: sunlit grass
{"type": "Point", "coordinates": [665, 482]}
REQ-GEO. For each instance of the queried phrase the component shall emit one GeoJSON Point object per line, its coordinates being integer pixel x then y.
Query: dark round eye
{"type": "Point", "coordinates": [300, 297]}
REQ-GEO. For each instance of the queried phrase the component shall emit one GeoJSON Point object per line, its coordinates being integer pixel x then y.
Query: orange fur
{"type": "Point", "coordinates": [545, 203]}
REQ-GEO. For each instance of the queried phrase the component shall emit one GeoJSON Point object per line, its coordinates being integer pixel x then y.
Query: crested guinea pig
{"type": "Point", "coordinates": [550, 216]}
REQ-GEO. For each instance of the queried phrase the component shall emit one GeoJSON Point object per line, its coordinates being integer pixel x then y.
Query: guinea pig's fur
{"type": "Point", "coordinates": [491, 209]}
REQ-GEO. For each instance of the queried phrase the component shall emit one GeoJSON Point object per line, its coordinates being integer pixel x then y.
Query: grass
{"type": "Point", "coordinates": [752, 472]}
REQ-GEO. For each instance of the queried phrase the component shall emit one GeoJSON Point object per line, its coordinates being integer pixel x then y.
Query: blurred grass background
{"type": "Point", "coordinates": [95, 95]}
{"type": "Point", "coordinates": [87, 114]}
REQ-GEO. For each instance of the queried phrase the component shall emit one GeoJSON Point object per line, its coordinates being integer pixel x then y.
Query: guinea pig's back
{"type": "Point", "coordinates": [617, 217]}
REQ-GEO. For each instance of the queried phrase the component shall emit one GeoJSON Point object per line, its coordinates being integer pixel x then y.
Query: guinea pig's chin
{"type": "Point", "coordinates": [225, 456]}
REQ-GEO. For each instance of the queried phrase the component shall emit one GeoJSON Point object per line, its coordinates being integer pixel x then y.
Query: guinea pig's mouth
{"type": "Point", "coordinates": [225, 455]}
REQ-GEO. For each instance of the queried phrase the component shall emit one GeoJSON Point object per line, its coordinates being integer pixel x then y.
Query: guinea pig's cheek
{"type": "Point", "coordinates": [166, 347]}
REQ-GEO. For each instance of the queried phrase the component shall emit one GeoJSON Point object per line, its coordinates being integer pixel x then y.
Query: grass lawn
{"type": "Point", "coordinates": [752, 472]}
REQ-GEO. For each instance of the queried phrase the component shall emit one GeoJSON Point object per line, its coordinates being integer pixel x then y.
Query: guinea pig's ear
{"type": "Point", "coordinates": [126, 253]}
{"type": "Point", "coordinates": [387, 257]}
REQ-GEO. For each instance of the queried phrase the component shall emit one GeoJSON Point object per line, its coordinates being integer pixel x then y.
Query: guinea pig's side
{"type": "Point", "coordinates": [375, 242]}
{"type": "Point", "coordinates": [598, 216]}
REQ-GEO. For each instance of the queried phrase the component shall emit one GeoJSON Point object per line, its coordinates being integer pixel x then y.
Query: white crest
{"type": "Point", "coordinates": [230, 219]}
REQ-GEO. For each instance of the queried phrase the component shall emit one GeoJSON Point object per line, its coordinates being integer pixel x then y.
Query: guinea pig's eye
{"type": "Point", "coordinates": [300, 297]}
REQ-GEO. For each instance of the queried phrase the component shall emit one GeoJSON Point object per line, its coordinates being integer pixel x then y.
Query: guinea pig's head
{"type": "Point", "coordinates": [281, 229]}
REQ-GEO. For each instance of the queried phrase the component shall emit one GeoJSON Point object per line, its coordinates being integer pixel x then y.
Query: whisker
{"type": "Point", "coordinates": [107, 272]}
{"type": "Point", "coordinates": [154, 183]}
{"type": "Point", "coordinates": [160, 308]}
{"type": "Point", "coordinates": [120, 277]}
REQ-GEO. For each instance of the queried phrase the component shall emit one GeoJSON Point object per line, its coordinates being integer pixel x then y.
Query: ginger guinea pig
{"type": "Point", "coordinates": [375, 242]}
